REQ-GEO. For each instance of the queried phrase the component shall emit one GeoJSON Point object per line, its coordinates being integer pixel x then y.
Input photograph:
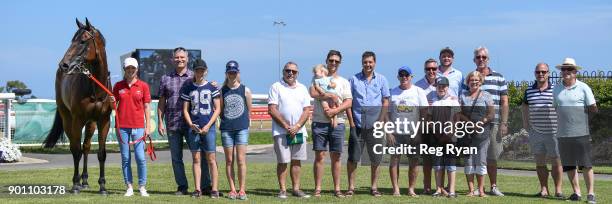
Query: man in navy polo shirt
{"type": "Point", "coordinates": [540, 120]}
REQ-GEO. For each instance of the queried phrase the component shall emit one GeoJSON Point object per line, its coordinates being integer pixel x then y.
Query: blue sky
{"type": "Point", "coordinates": [35, 34]}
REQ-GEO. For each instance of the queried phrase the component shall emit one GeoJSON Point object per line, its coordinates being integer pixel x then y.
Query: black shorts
{"type": "Point", "coordinates": [575, 151]}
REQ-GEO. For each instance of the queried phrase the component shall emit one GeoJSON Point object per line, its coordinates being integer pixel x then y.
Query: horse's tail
{"type": "Point", "coordinates": [56, 132]}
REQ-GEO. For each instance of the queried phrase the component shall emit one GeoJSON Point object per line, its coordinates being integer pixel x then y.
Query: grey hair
{"type": "Point", "coordinates": [481, 49]}
{"type": "Point", "coordinates": [290, 63]}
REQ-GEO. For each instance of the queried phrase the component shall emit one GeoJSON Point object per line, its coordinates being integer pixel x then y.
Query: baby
{"type": "Point", "coordinates": [324, 84]}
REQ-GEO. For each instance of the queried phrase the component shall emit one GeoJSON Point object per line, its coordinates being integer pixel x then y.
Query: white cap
{"type": "Point", "coordinates": [130, 62]}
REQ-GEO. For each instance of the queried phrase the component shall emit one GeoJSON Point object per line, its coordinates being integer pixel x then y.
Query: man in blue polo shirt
{"type": "Point", "coordinates": [540, 120]}
{"type": "Point", "coordinates": [574, 100]}
{"type": "Point", "coordinates": [370, 92]}
{"type": "Point", "coordinates": [446, 69]}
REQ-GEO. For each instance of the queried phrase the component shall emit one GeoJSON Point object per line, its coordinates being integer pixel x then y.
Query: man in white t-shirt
{"type": "Point", "coordinates": [407, 102]}
{"type": "Point", "coordinates": [289, 106]}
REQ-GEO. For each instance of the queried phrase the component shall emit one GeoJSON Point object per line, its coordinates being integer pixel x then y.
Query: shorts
{"type": "Point", "coordinates": [361, 139]}
{"type": "Point", "coordinates": [575, 151]}
{"type": "Point", "coordinates": [285, 153]}
{"type": "Point", "coordinates": [407, 140]}
{"type": "Point", "coordinates": [198, 142]}
{"type": "Point", "coordinates": [235, 137]}
{"type": "Point", "coordinates": [541, 143]}
{"type": "Point", "coordinates": [323, 134]}
{"type": "Point", "coordinates": [495, 146]}
{"type": "Point", "coordinates": [446, 161]}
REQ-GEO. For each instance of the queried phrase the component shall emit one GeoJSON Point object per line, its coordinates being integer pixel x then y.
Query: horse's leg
{"type": "Point", "coordinates": [103, 126]}
{"type": "Point", "coordinates": [90, 127]}
{"type": "Point", "coordinates": [75, 149]}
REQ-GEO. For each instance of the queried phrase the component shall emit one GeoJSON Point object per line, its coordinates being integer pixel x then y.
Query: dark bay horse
{"type": "Point", "coordinates": [81, 103]}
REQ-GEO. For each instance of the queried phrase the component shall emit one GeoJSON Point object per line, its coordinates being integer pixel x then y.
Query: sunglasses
{"type": "Point", "coordinates": [431, 69]}
{"type": "Point", "coordinates": [567, 69]}
{"type": "Point", "coordinates": [289, 71]}
{"type": "Point", "coordinates": [403, 75]}
{"type": "Point", "coordinates": [331, 61]}
{"type": "Point", "coordinates": [481, 57]}
{"type": "Point", "coordinates": [541, 72]}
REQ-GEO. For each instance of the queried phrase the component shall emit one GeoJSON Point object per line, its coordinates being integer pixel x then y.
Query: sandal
{"type": "Point", "coordinates": [339, 194]}
{"type": "Point", "coordinates": [317, 193]}
{"type": "Point", "coordinates": [375, 193]}
{"type": "Point", "coordinates": [350, 193]}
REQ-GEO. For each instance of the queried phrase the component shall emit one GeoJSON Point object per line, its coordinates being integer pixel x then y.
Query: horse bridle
{"type": "Point", "coordinates": [82, 66]}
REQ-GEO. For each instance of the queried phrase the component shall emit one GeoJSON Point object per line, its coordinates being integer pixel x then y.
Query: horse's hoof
{"type": "Point", "coordinates": [84, 186]}
{"type": "Point", "coordinates": [103, 193]}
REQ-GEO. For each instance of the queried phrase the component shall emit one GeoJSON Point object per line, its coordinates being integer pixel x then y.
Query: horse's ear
{"type": "Point", "coordinates": [87, 24]}
{"type": "Point", "coordinates": [79, 24]}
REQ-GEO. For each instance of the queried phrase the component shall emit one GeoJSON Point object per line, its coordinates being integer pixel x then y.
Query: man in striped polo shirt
{"type": "Point", "coordinates": [540, 120]}
{"type": "Point", "coordinates": [495, 84]}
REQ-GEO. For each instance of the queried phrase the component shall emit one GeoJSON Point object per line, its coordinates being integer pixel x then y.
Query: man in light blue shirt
{"type": "Point", "coordinates": [574, 100]}
{"type": "Point", "coordinates": [370, 92]}
{"type": "Point", "coordinates": [446, 69]}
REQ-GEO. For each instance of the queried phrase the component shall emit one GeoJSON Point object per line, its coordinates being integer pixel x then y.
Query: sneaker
{"type": "Point", "coordinates": [242, 196]}
{"type": "Point", "coordinates": [591, 199]}
{"type": "Point", "coordinates": [282, 195]}
{"type": "Point", "coordinates": [180, 192]}
{"type": "Point", "coordinates": [214, 194]}
{"type": "Point", "coordinates": [452, 195]}
{"type": "Point", "coordinates": [196, 194]}
{"type": "Point", "coordinates": [129, 192]}
{"type": "Point", "coordinates": [143, 192]}
{"type": "Point", "coordinates": [300, 194]}
{"type": "Point", "coordinates": [574, 197]}
{"type": "Point", "coordinates": [495, 191]}
{"type": "Point", "coordinates": [232, 195]}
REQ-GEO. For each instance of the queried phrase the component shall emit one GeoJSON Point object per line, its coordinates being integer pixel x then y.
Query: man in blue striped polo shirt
{"type": "Point", "coordinates": [540, 120]}
{"type": "Point", "coordinates": [495, 84]}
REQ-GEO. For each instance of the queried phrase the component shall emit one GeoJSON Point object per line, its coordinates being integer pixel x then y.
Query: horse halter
{"type": "Point", "coordinates": [81, 66]}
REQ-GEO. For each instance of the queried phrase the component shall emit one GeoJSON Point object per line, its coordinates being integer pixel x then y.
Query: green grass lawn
{"type": "Point", "coordinates": [523, 165]}
{"type": "Point", "coordinates": [262, 187]}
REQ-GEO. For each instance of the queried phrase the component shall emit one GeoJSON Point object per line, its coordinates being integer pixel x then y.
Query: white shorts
{"type": "Point", "coordinates": [285, 153]}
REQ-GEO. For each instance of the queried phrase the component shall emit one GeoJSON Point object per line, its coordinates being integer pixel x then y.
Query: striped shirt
{"type": "Point", "coordinates": [542, 114]}
{"type": "Point", "coordinates": [495, 84]}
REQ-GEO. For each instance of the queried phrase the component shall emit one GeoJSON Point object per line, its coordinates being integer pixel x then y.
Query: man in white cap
{"type": "Point", "coordinates": [574, 100]}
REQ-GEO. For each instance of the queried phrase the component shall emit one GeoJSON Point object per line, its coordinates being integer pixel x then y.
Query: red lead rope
{"type": "Point", "coordinates": [150, 147]}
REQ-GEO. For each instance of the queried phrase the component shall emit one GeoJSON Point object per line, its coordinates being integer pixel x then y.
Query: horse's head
{"type": "Point", "coordinates": [86, 51]}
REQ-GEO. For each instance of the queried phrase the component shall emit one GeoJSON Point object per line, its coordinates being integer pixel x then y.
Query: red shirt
{"type": "Point", "coordinates": [131, 102]}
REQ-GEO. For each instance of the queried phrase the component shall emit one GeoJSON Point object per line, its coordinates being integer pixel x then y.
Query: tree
{"type": "Point", "coordinates": [1, 89]}
{"type": "Point", "coordinates": [15, 84]}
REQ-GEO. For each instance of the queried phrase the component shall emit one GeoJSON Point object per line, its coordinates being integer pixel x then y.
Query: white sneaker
{"type": "Point", "coordinates": [129, 192]}
{"type": "Point", "coordinates": [143, 192]}
{"type": "Point", "coordinates": [495, 191]}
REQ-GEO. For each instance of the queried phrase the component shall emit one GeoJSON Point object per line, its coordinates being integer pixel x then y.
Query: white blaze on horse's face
{"type": "Point", "coordinates": [180, 59]}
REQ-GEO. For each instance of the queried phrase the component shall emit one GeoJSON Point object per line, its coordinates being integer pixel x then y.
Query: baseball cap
{"type": "Point", "coordinates": [406, 69]}
{"type": "Point", "coordinates": [130, 62]}
{"type": "Point", "coordinates": [199, 64]}
{"type": "Point", "coordinates": [442, 81]}
{"type": "Point", "coordinates": [232, 66]}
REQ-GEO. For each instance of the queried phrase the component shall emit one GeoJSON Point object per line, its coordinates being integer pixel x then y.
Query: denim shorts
{"type": "Point", "coordinates": [323, 134]}
{"type": "Point", "coordinates": [198, 142]}
{"type": "Point", "coordinates": [235, 137]}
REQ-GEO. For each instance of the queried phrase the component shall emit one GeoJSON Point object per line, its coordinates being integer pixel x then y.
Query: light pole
{"type": "Point", "coordinates": [279, 24]}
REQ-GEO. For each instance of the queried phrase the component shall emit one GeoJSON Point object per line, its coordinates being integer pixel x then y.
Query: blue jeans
{"type": "Point", "coordinates": [175, 140]}
{"type": "Point", "coordinates": [128, 135]}
{"type": "Point", "coordinates": [235, 137]}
